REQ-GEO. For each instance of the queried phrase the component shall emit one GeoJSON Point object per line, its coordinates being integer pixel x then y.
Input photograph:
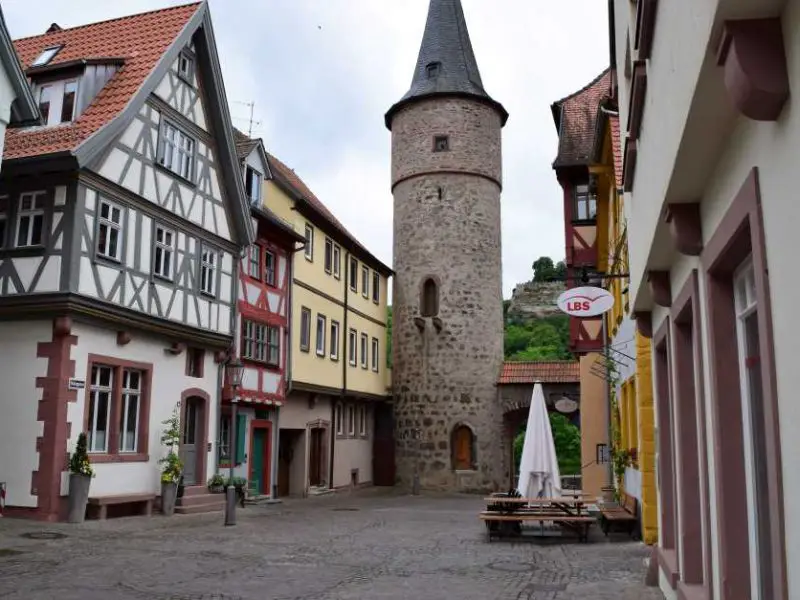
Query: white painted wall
{"type": "Point", "coordinates": [351, 454]}
{"type": "Point", "coordinates": [7, 96]}
{"type": "Point", "coordinates": [19, 400]}
{"type": "Point", "coordinates": [168, 382]}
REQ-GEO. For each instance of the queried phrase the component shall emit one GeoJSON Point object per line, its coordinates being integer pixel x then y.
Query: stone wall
{"type": "Point", "coordinates": [447, 226]}
{"type": "Point", "coordinates": [536, 299]}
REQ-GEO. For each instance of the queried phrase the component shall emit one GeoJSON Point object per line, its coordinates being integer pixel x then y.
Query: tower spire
{"type": "Point", "coordinates": [446, 65]}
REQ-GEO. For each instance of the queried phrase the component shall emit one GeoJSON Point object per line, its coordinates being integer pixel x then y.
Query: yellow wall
{"type": "Point", "coordinates": [594, 426]}
{"type": "Point", "coordinates": [325, 294]}
{"type": "Point", "coordinates": [647, 446]}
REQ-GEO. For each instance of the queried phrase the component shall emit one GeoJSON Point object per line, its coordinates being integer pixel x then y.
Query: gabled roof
{"type": "Point", "coordinates": [245, 146]}
{"type": "Point", "coordinates": [446, 42]}
{"type": "Point", "coordinates": [296, 187]}
{"type": "Point", "coordinates": [575, 118]}
{"type": "Point", "coordinates": [147, 44]}
{"type": "Point", "coordinates": [24, 108]}
{"type": "Point", "coordinates": [553, 371]}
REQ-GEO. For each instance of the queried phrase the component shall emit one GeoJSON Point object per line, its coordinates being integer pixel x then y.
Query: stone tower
{"type": "Point", "coordinates": [448, 314]}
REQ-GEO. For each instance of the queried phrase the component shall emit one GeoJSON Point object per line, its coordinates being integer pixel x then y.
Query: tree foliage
{"type": "Point", "coordinates": [545, 270]}
{"type": "Point", "coordinates": [537, 339]}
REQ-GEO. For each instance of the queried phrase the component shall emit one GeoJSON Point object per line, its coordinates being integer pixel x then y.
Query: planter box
{"type": "Point", "coordinates": [78, 497]}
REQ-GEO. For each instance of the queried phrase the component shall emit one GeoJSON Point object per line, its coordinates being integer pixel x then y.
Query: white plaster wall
{"type": "Point", "coordinates": [352, 454]}
{"type": "Point", "coordinates": [7, 96]}
{"type": "Point", "coordinates": [168, 382]}
{"type": "Point", "coordinates": [19, 399]}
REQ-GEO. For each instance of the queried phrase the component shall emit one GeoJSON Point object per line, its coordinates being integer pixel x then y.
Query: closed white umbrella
{"type": "Point", "coordinates": [538, 469]}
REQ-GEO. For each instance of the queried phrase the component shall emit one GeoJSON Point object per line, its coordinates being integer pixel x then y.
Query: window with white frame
{"type": "Point", "coordinates": [352, 349]}
{"type": "Point", "coordinates": [353, 274]}
{"type": "Point", "coordinates": [254, 261]}
{"type": "Point", "coordinates": [56, 101]}
{"type": "Point", "coordinates": [375, 354]}
{"type": "Point", "coordinates": [185, 67]}
{"type": "Point", "coordinates": [261, 342]}
{"type": "Point", "coordinates": [3, 220]}
{"type": "Point", "coordinates": [321, 326]}
{"type": "Point", "coordinates": [164, 252]}
{"type": "Point", "coordinates": [351, 420]}
{"type": "Point", "coordinates": [252, 184]}
{"type": "Point", "coordinates": [30, 219]}
{"type": "Point", "coordinates": [376, 287]}
{"type": "Point", "coordinates": [224, 438]}
{"type": "Point", "coordinates": [309, 249]}
{"type": "Point", "coordinates": [208, 271]}
{"type": "Point", "coordinates": [585, 202]}
{"type": "Point", "coordinates": [100, 389]}
{"type": "Point", "coordinates": [337, 261]}
{"type": "Point", "coordinates": [365, 281]}
{"type": "Point", "coordinates": [339, 419]}
{"type": "Point", "coordinates": [305, 329]}
{"type": "Point", "coordinates": [68, 101]}
{"type": "Point", "coordinates": [269, 268]}
{"type": "Point", "coordinates": [109, 230]}
{"type": "Point", "coordinates": [334, 340]}
{"type": "Point", "coordinates": [176, 150]}
{"type": "Point", "coordinates": [131, 407]}
{"type": "Point", "coordinates": [364, 347]}
{"type": "Point", "coordinates": [46, 56]}
{"type": "Point", "coordinates": [328, 255]}
{"type": "Point", "coordinates": [362, 420]}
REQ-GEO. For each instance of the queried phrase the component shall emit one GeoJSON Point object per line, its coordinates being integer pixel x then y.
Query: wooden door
{"type": "Point", "coordinates": [316, 453]}
{"type": "Point", "coordinates": [383, 446]}
{"type": "Point", "coordinates": [189, 439]}
{"type": "Point", "coordinates": [285, 454]}
{"type": "Point", "coordinates": [462, 449]}
{"type": "Point", "coordinates": [261, 457]}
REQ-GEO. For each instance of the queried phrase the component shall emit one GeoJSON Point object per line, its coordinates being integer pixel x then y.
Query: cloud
{"type": "Point", "coordinates": [323, 73]}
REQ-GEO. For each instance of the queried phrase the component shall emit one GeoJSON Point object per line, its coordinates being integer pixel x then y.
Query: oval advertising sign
{"type": "Point", "coordinates": [585, 301]}
{"type": "Point", "coordinates": [566, 405]}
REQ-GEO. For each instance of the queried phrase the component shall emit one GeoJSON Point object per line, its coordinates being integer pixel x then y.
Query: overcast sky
{"type": "Point", "coordinates": [322, 73]}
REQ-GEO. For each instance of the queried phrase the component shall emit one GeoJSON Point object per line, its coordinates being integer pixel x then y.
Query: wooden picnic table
{"type": "Point", "coordinates": [505, 515]}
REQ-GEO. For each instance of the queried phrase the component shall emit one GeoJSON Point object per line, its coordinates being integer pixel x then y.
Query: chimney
{"type": "Point", "coordinates": [53, 28]}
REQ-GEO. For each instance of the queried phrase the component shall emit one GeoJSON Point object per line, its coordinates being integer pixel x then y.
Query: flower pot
{"type": "Point", "coordinates": [78, 497]}
{"type": "Point", "coordinates": [169, 493]}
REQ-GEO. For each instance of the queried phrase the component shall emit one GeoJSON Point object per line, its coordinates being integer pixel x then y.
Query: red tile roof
{"type": "Point", "coordinates": [576, 118]}
{"type": "Point", "coordinates": [140, 40]}
{"type": "Point", "coordinates": [554, 371]}
{"type": "Point", "coordinates": [616, 149]}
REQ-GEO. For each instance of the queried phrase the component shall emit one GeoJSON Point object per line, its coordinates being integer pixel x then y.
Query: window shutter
{"type": "Point", "coordinates": [241, 425]}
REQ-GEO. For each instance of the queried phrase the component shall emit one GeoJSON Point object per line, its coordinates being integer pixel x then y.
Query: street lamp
{"type": "Point", "coordinates": [235, 371]}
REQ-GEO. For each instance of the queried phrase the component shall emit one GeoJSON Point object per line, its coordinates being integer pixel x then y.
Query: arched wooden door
{"type": "Point", "coordinates": [462, 448]}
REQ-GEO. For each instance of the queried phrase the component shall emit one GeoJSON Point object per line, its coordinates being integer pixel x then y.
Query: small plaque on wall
{"type": "Point", "coordinates": [76, 383]}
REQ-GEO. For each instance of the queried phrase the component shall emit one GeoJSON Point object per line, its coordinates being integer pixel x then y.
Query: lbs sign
{"type": "Point", "coordinates": [585, 301]}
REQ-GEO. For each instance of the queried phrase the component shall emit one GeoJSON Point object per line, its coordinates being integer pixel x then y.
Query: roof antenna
{"type": "Point", "coordinates": [251, 122]}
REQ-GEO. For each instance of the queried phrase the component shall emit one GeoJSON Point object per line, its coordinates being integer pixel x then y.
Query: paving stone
{"type": "Point", "coordinates": [393, 547]}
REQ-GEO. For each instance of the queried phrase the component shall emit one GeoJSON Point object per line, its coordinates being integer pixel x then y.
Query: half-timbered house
{"type": "Point", "coordinates": [263, 334]}
{"type": "Point", "coordinates": [122, 218]}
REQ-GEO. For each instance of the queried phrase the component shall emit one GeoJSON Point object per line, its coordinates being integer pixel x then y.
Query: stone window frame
{"type": "Point", "coordinates": [422, 300]}
{"type": "Point", "coordinates": [441, 143]}
{"type": "Point", "coordinates": [473, 446]}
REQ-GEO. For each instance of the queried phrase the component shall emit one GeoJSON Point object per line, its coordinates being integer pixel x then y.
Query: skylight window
{"type": "Point", "coordinates": [46, 56]}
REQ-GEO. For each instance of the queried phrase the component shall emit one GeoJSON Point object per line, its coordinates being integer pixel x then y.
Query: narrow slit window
{"type": "Point", "coordinates": [208, 272]}
{"type": "Point", "coordinates": [441, 143]}
{"type": "Point", "coordinates": [429, 303]}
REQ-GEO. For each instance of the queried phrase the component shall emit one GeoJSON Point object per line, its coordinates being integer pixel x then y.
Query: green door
{"type": "Point", "coordinates": [257, 482]}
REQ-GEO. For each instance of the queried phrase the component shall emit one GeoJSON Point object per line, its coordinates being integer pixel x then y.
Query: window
{"type": "Point", "coordinates": [195, 357]}
{"type": "Point", "coordinates": [328, 255]}
{"type": "Point", "coordinates": [68, 102]}
{"type": "Point", "coordinates": [109, 230]}
{"type": "Point", "coordinates": [252, 184]}
{"type": "Point", "coordinates": [269, 268]}
{"type": "Point", "coordinates": [351, 420]}
{"type": "Point", "coordinates": [365, 281]}
{"type": "Point", "coordinates": [353, 274]}
{"type": "Point", "coordinates": [376, 287]}
{"type": "Point", "coordinates": [352, 340]}
{"type": "Point", "coordinates": [164, 249]}
{"type": "Point", "coordinates": [185, 67]}
{"type": "Point", "coordinates": [429, 303]}
{"type": "Point", "coordinates": [364, 347]}
{"type": "Point", "coordinates": [117, 408]}
{"type": "Point", "coordinates": [334, 340]}
{"type": "Point", "coordinates": [441, 143]}
{"type": "Point", "coordinates": [208, 271]}
{"type": "Point", "coordinates": [46, 56]}
{"type": "Point", "coordinates": [337, 261]}
{"type": "Point", "coordinates": [176, 150]}
{"type": "Point", "coordinates": [261, 342]}
{"type": "Point", "coordinates": [305, 329]}
{"type": "Point", "coordinates": [45, 97]}
{"type": "Point", "coordinates": [224, 438]}
{"type": "Point", "coordinates": [254, 261]}
{"type": "Point", "coordinates": [30, 220]}
{"type": "Point", "coordinates": [321, 326]}
{"type": "Point", "coordinates": [432, 69]}
{"type": "Point", "coordinates": [362, 420]}
{"type": "Point", "coordinates": [339, 419]}
{"type": "Point", "coordinates": [309, 249]}
{"type": "Point", "coordinates": [585, 203]}
{"type": "Point", "coordinates": [375, 354]}
{"type": "Point", "coordinates": [3, 219]}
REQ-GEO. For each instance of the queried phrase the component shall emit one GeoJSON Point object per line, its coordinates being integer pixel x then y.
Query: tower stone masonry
{"type": "Point", "coordinates": [447, 334]}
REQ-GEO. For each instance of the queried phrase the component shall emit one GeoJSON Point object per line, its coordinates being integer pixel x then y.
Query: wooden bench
{"type": "Point", "coordinates": [500, 524]}
{"type": "Point", "coordinates": [101, 503]}
{"type": "Point", "coordinates": [622, 517]}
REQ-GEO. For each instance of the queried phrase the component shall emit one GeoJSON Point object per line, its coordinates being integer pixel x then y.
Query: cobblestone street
{"type": "Point", "coordinates": [372, 545]}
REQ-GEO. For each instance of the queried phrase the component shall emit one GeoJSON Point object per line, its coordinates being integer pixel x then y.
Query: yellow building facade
{"type": "Point", "coordinates": [629, 366]}
{"type": "Point", "coordinates": [338, 371]}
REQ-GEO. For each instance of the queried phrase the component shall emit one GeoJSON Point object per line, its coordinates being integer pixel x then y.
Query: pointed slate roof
{"type": "Point", "coordinates": [446, 42]}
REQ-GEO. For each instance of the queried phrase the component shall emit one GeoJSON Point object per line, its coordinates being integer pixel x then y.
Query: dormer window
{"type": "Point", "coordinates": [585, 202]}
{"type": "Point", "coordinates": [432, 69]}
{"type": "Point", "coordinates": [252, 184]}
{"type": "Point", "coordinates": [46, 56]}
{"type": "Point", "coordinates": [57, 101]}
{"type": "Point", "coordinates": [185, 67]}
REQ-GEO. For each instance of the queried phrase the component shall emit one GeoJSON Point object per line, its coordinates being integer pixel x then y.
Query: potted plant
{"type": "Point", "coordinates": [80, 477]}
{"type": "Point", "coordinates": [216, 485]}
{"type": "Point", "coordinates": [171, 464]}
